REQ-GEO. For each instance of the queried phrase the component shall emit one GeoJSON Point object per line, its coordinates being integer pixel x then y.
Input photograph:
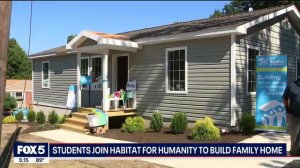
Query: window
{"type": "Point", "coordinates": [96, 69]}
{"type": "Point", "coordinates": [45, 75]}
{"type": "Point", "coordinates": [298, 67]}
{"type": "Point", "coordinates": [176, 70]}
{"type": "Point", "coordinates": [18, 95]}
{"type": "Point", "coordinates": [84, 71]}
{"type": "Point", "coordinates": [251, 69]}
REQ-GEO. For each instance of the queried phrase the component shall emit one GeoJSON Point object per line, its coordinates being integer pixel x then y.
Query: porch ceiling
{"type": "Point", "coordinates": [102, 41]}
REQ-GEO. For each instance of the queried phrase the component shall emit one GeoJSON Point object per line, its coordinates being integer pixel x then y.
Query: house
{"type": "Point", "coordinates": [21, 90]}
{"type": "Point", "coordinates": [202, 67]}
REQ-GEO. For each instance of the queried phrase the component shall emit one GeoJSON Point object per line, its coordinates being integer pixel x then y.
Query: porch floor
{"type": "Point", "coordinates": [79, 123]}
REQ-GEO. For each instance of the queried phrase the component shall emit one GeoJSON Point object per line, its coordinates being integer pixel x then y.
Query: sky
{"type": "Point", "coordinates": [54, 21]}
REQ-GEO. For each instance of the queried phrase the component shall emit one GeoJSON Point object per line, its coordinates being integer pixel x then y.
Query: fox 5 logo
{"type": "Point", "coordinates": [31, 149]}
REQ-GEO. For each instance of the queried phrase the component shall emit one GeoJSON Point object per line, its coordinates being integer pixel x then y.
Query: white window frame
{"type": "Point", "coordinates": [185, 69]}
{"type": "Point", "coordinates": [297, 58]}
{"type": "Point", "coordinates": [88, 70]}
{"type": "Point", "coordinates": [21, 97]}
{"type": "Point", "coordinates": [91, 66]}
{"type": "Point", "coordinates": [46, 87]}
{"type": "Point", "coordinates": [247, 67]}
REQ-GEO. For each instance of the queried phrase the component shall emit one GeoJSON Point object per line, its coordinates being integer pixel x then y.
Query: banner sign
{"type": "Point", "coordinates": [85, 80]}
{"type": "Point", "coordinates": [131, 85]}
{"type": "Point", "coordinates": [271, 81]}
{"type": "Point", "coordinates": [95, 84]}
{"type": "Point", "coordinates": [41, 152]}
{"type": "Point", "coordinates": [71, 100]}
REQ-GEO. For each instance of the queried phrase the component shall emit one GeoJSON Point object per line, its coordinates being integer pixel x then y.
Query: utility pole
{"type": "Point", "coordinates": [5, 15]}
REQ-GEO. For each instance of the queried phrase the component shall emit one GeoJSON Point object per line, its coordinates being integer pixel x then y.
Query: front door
{"type": "Point", "coordinates": [122, 72]}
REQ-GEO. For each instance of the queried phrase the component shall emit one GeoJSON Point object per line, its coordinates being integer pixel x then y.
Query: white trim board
{"type": "Point", "coordinates": [83, 35]}
{"type": "Point", "coordinates": [233, 118]}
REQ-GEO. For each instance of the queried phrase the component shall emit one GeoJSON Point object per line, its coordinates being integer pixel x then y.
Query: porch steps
{"type": "Point", "coordinates": [79, 115]}
{"type": "Point", "coordinates": [73, 127]}
{"type": "Point", "coordinates": [79, 122]}
{"type": "Point", "coordinates": [75, 120]}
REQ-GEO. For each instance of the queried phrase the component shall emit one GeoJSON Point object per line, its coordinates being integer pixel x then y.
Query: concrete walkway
{"type": "Point", "coordinates": [72, 137]}
{"type": "Point", "coordinates": [65, 136]}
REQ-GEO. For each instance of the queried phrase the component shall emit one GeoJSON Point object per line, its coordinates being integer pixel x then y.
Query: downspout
{"type": "Point", "coordinates": [233, 81]}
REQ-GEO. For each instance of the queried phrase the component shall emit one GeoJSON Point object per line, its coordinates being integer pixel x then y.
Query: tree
{"type": "Point", "coordinates": [18, 64]}
{"type": "Point", "coordinates": [239, 6]}
{"type": "Point", "coordinates": [217, 13]}
{"type": "Point", "coordinates": [70, 37]}
{"type": "Point", "coordinates": [9, 102]}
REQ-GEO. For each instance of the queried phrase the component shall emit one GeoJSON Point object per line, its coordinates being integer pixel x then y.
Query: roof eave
{"type": "Point", "coordinates": [190, 36]}
{"type": "Point", "coordinates": [52, 54]}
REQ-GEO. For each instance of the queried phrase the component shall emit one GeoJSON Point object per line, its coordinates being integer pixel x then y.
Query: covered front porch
{"type": "Point", "coordinates": [104, 59]}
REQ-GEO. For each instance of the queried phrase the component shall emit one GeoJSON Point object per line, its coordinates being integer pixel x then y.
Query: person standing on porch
{"type": "Point", "coordinates": [291, 100]}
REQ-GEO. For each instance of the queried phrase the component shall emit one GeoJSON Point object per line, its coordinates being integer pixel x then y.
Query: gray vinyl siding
{"type": "Point", "coordinates": [62, 74]}
{"type": "Point", "coordinates": [272, 39]}
{"type": "Point", "coordinates": [208, 80]}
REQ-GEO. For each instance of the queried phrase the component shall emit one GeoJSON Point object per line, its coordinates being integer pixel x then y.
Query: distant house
{"type": "Point", "coordinates": [202, 67]}
{"type": "Point", "coordinates": [17, 89]}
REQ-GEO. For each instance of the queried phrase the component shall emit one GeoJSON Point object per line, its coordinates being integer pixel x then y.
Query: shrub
{"type": "Point", "coordinates": [179, 123]}
{"type": "Point", "coordinates": [205, 130]}
{"type": "Point", "coordinates": [52, 117]}
{"type": "Point", "coordinates": [19, 116]}
{"type": "Point", "coordinates": [156, 122]}
{"type": "Point", "coordinates": [40, 117]}
{"type": "Point", "coordinates": [9, 102]}
{"type": "Point", "coordinates": [31, 116]}
{"type": "Point", "coordinates": [247, 123]}
{"type": "Point", "coordinates": [9, 119]}
{"type": "Point", "coordinates": [135, 124]}
{"type": "Point", "coordinates": [62, 119]}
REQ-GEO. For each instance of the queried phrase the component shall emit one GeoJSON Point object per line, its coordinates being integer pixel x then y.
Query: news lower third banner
{"type": "Point", "coordinates": [43, 152]}
{"type": "Point", "coordinates": [271, 81]}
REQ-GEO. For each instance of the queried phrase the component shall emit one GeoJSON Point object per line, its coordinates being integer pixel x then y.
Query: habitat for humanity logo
{"type": "Point", "coordinates": [274, 113]}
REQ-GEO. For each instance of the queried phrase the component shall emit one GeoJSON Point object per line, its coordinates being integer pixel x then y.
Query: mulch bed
{"type": "Point", "coordinates": [165, 136]}
{"type": "Point", "coordinates": [35, 127]}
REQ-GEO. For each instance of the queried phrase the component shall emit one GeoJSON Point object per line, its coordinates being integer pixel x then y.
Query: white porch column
{"type": "Point", "coordinates": [78, 79]}
{"type": "Point", "coordinates": [105, 80]}
{"type": "Point", "coordinates": [233, 119]}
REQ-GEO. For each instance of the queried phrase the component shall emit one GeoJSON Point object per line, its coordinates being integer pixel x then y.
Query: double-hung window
{"type": "Point", "coordinates": [176, 70]}
{"type": "Point", "coordinates": [251, 68]}
{"type": "Point", "coordinates": [45, 74]}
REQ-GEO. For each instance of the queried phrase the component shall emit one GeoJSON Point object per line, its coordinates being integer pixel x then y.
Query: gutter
{"type": "Point", "coordinates": [190, 36]}
{"type": "Point", "coordinates": [50, 54]}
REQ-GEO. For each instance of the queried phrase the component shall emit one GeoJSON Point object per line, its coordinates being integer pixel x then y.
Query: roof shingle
{"type": "Point", "coordinates": [196, 25]}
